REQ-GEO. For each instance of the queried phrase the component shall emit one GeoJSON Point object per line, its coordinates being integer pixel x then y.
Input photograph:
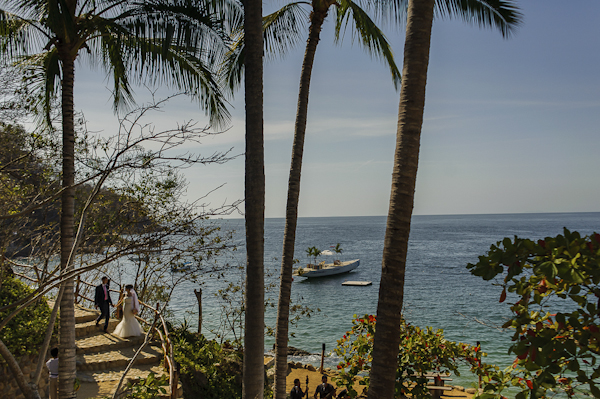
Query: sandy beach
{"type": "Point", "coordinates": [314, 378]}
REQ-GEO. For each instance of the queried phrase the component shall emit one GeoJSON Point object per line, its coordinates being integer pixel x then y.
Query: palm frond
{"type": "Point", "coordinates": [161, 41]}
{"type": "Point", "coordinates": [179, 68]}
{"type": "Point", "coordinates": [32, 10]}
{"type": "Point", "coordinates": [281, 29]}
{"type": "Point", "coordinates": [503, 15]}
{"type": "Point", "coordinates": [113, 54]}
{"type": "Point", "coordinates": [393, 11]}
{"type": "Point", "coordinates": [178, 23]}
{"type": "Point", "coordinates": [370, 36]}
{"type": "Point", "coordinates": [43, 75]}
{"type": "Point", "coordinates": [281, 32]}
{"type": "Point", "coordinates": [20, 36]}
{"type": "Point", "coordinates": [232, 70]}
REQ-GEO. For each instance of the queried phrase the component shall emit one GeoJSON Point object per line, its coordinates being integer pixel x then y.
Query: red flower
{"type": "Point", "coordinates": [542, 243]}
{"type": "Point", "coordinates": [339, 367]}
{"type": "Point", "coordinates": [529, 384]}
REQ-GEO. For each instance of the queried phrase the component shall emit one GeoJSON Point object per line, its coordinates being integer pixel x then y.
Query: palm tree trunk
{"type": "Point", "coordinates": [67, 366]}
{"type": "Point", "coordinates": [254, 343]}
{"type": "Point", "coordinates": [410, 120]}
{"type": "Point", "coordinates": [291, 215]}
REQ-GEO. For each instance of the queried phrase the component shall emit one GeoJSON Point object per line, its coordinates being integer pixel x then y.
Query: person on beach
{"type": "Point", "coordinates": [103, 302]}
{"type": "Point", "coordinates": [52, 366]}
{"type": "Point", "coordinates": [325, 390]}
{"type": "Point", "coordinates": [129, 326]}
{"type": "Point", "coordinates": [296, 392]}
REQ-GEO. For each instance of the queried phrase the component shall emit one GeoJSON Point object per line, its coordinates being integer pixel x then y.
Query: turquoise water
{"type": "Point", "coordinates": [439, 291]}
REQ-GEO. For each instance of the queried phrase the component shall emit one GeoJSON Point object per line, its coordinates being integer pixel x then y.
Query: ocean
{"type": "Point", "coordinates": [439, 290]}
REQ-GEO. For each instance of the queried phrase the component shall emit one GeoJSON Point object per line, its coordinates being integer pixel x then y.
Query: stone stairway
{"type": "Point", "coordinates": [102, 357]}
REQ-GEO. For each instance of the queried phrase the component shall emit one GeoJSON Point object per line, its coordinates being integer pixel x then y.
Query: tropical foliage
{"type": "Point", "coordinates": [172, 42]}
{"type": "Point", "coordinates": [33, 319]}
{"type": "Point", "coordinates": [207, 369]}
{"type": "Point", "coordinates": [313, 252]}
{"type": "Point", "coordinates": [556, 313]}
{"type": "Point", "coordinates": [420, 351]}
{"type": "Point", "coordinates": [147, 388]}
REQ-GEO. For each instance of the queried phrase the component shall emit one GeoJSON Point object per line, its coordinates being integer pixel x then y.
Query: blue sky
{"type": "Point", "coordinates": [511, 125]}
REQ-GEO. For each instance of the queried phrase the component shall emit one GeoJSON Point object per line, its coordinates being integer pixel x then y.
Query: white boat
{"type": "Point", "coordinates": [326, 269]}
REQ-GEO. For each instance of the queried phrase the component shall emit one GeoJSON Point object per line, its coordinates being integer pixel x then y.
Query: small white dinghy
{"type": "Point", "coordinates": [326, 269]}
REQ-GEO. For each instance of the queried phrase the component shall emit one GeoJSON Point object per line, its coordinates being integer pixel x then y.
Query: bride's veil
{"type": "Point", "coordinates": [135, 301]}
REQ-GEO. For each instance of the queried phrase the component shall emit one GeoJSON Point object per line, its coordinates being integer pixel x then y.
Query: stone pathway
{"type": "Point", "coordinates": [102, 357]}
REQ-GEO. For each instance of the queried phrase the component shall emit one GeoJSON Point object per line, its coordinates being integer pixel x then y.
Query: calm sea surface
{"type": "Point", "coordinates": [439, 291]}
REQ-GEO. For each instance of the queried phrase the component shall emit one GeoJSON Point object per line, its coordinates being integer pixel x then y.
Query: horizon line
{"type": "Point", "coordinates": [422, 214]}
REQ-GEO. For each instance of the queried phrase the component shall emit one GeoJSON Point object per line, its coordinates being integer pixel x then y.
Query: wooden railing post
{"type": "Point", "coordinates": [175, 381]}
{"type": "Point", "coordinates": [199, 298]}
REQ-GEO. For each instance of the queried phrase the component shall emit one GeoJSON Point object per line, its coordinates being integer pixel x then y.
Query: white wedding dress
{"type": "Point", "coordinates": [129, 326]}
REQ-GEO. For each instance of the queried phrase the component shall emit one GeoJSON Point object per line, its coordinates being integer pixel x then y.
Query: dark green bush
{"type": "Point", "coordinates": [24, 334]}
{"type": "Point", "coordinates": [207, 370]}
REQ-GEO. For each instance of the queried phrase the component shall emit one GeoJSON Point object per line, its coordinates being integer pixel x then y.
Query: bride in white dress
{"type": "Point", "coordinates": [129, 326]}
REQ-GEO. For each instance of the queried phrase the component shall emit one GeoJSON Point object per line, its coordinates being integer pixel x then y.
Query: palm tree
{"type": "Point", "coordinates": [374, 41]}
{"type": "Point", "coordinates": [254, 339]}
{"type": "Point", "coordinates": [141, 40]}
{"type": "Point", "coordinates": [502, 14]}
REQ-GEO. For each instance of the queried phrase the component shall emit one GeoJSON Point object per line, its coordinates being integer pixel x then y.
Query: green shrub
{"type": "Point", "coordinates": [420, 351]}
{"type": "Point", "coordinates": [148, 388]}
{"type": "Point", "coordinates": [207, 370]}
{"type": "Point", "coordinates": [24, 334]}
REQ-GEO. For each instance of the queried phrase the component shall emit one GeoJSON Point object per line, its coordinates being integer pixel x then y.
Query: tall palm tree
{"type": "Point", "coordinates": [501, 14]}
{"type": "Point", "coordinates": [254, 339]}
{"type": "Point", "coordinates": [141, 40]}
{"type": "Point", "coordinates": [281, 30]}
{"type": "Point", "coordinates": [373, 40]}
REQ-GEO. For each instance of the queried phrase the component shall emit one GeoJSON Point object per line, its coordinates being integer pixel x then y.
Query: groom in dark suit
{"type": "Point", "coordinates": [103, 302]}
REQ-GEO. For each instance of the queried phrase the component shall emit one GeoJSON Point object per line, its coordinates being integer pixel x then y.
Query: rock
{"type": "Point", "coordinates": [459, 388]}
{"type": "Point", "coordinates": [297, 352]}
{"type": "Point", "coordinates": [299, 365]}
{"type": "Point", "coordinates": [291, 365]}
{"type": "Point", "coordinates": [471, 391]}
{"type": "Point", "coordinates": [310, 367]}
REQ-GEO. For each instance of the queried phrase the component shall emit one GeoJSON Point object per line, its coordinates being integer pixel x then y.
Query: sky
{"type": "Point", "coordinates": [510, 126]}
